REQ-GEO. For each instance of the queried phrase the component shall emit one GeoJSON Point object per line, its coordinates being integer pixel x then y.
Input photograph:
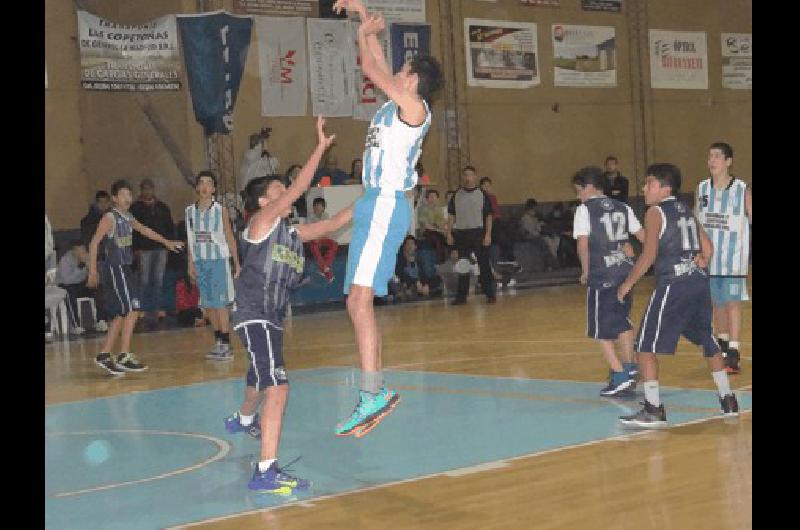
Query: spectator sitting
{"type": "Point", "coordinates": [187, 303]}
{"type": "Point", "coordinates": [325, 261]}
{"type": "Point", "coordinates": [450, 270]}
{"type": "Point", "coordinates": [414, 274]}
{"type": "Point", "coordinates": [330, 169]}
{"type": "Point", "coordinates": [531, 233]}
{"type": "Point", "coordinates": [356, 170]}
{"type": "Point", "coordinates": [432, 224]}
{"type": "Point", "coordinates": [71, 275]}
{"type": "Point", "coordinates": [102, 204]}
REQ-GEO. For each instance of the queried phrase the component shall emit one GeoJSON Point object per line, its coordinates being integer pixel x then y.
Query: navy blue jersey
{"type": "Point", "coordinates": [120, 240]}
{"type": "Point", "coordinates": [678, 243]}
{"type": "Point", "coordinates": [609, 231]}
{"type": "Point", "coordinates": [270, 269]}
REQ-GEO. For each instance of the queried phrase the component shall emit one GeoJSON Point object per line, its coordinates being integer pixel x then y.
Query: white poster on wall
{"type": "Point", "coordinates": [501, 54]}
{"type": "Point", "coordinates": [398, 10]}
{"type": "Point", "coordinates": [678, 59]}
{"type": "Point", "coordinates": [331, 63]}
{"type": "Point", "coordinates": [282, 60]}
{"type": "Point", "coordinates": [737, 60]}
{"type": "Point", "coordinates": [584, 56]}
{"type": "Point", "coordinates": [141, 57]}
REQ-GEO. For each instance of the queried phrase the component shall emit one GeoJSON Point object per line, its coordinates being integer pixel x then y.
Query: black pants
{"type": "Point", "coordinates": [79, 290]}
{"type": "Point", "coordinates": [466, 242]}
{"type": "Point", "coordinates": [503, 237]}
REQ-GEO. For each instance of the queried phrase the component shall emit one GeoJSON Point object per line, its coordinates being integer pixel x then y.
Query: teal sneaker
{"type": "Point", "coordinates": [369, 411]}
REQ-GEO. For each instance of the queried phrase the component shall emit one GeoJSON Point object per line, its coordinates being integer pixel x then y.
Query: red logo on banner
{"type": "Point", "coordinates": [287, 66]}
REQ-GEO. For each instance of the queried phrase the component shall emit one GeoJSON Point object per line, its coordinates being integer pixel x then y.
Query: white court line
{"type": "Point", "coordinates": [498, 463]}
{"type": "Point", "coordinates": [222, 446]}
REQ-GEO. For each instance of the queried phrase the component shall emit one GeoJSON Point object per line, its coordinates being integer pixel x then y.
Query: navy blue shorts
{"type": "Point", "coordinates": [120, 290]}
{"type": "Point", "coordinates": [607, 317]}
{"type": "Point", "coordinates": [264, 343]}
{"type": "Point", "coordinates": [680, 308]}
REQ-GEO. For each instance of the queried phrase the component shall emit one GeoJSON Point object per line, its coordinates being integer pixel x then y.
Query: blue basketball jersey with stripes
{"type": "Point", "coordinates": [723, 216]}
{"type": "Point", "coordinates": [118, 247]}
{"type": "Point", "coordinates": [271, 268]}
{"type": "Point", "coordinates": [206, 232]}
{"type": "Point", "coordinates": [678, 243]}
{"type": "Point", "coordinates": [392, 149]}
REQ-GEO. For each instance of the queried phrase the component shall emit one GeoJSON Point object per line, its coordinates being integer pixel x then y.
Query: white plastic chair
{"type": "Point", "coordinates": [79, 316]}
{"type": "Point", "coordinates": [54, 301]}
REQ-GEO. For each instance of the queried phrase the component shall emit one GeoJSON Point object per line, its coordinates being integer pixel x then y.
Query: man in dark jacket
{"type": "Point", "coordinates": [615, 185]}
{"type": "Point", "coordinates": [102, 203]}
{"type": "Point", "coordinates": [152, 256]}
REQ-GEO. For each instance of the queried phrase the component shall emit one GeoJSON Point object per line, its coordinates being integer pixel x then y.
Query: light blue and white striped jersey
{"type": "Point", "coordinates": [724, 218]}
{"type": "Point", "coordinates": [392, 149]}
{"type": "Point", "coordinates": [206, 232]}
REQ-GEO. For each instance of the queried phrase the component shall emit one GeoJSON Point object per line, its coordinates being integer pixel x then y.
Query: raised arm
{"type": "Point", "coordinates": [374, 65]}
{"type": "Point", "coordinates": [652, 227]}
{"type": "Point", "coordinates": [265, 217]}
{"type": "Point", "coordinates": [312, 231]}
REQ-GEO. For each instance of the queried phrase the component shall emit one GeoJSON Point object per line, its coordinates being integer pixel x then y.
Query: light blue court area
{"type": "Point", "coordinates": [162, 458]}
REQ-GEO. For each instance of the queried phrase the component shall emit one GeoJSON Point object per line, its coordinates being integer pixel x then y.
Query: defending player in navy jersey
{"type": "Point", "coordinates": [120, 285]}
{"type": "Point", "coordinates": [725, 210]}
{"type": "Point", "coordinates": [681, 301]}
{"type": "Point", "coordinates": [382, 216]}
{"type": "Point", "coordinates": [272, 265]}
{"type": "Point", "coordinates": [602, 227]}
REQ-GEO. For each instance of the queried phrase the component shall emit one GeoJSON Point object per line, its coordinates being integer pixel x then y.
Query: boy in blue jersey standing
{"type": "Point", "coordinates": [211, 247]}
{"type": "Point", "coordinates": [602, 227]}
{"type": "Point", "coordinates": [725, 209]}
{"type": "Point", "coordinates": [382, 216]}
{"type": "Point", "coordinates": [681, 303]}
{"type": "Point", "coordinates": [120, 286]}
{"type": "Point", "coordinates": [272, 265]}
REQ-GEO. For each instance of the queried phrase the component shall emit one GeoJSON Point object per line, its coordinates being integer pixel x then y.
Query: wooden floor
{"type": "Point", "coordinates": [692, 476]}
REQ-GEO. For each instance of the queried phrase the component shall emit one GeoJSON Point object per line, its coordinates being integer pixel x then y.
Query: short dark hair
{"type": "Point", "coordinates": [319, 200]}
{"type": "Point", "coordinates": [611, 157]}
{"type": "Point", "coordinates": [666, 175]}
{"type": "Point", "coordinates": [429, 72]}
{"type": "Point", "coordinates": [726, 149]}
{"type": "Point", "coordinates": [469, 168]}
{"type": "Point", "coordinates": [101, 194]}
{"type": "Point", "coordinates": [485, 179]}
{"type": "Point", "coordinates": [120, 185]}
{"type": "Point", "coordinates": [431, 192]}
{"type": "Point", "coordinates": [147, 182]}
{"type": "Point", "coordinates": [411, 237]}
{"type": "Point", "coordinates": [75, 243]}
{"type": "Point", "coordinates": [531, 204]}
{"type": "Point", "coordinates": [588, 175]}
{"type": "Point", "coordinates": [256, 188]}
{"type": "Point", "coordinates": [208, 174]}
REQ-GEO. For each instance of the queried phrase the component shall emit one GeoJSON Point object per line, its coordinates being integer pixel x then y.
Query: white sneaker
{"type": "Point", "coordinates": [101, 326]}
{"type": "Point", "coordinates": [77, 330]}
{"type": "Point", "coordinates": [512, 282]}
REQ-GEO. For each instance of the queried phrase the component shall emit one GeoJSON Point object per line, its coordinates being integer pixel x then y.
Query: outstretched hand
{"type": "Point", "coordinates": [324, 141]}
{"type": "Point", "coordinates": [373, 24]}
{"type": "Point", "coordinates": [350, 5]}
